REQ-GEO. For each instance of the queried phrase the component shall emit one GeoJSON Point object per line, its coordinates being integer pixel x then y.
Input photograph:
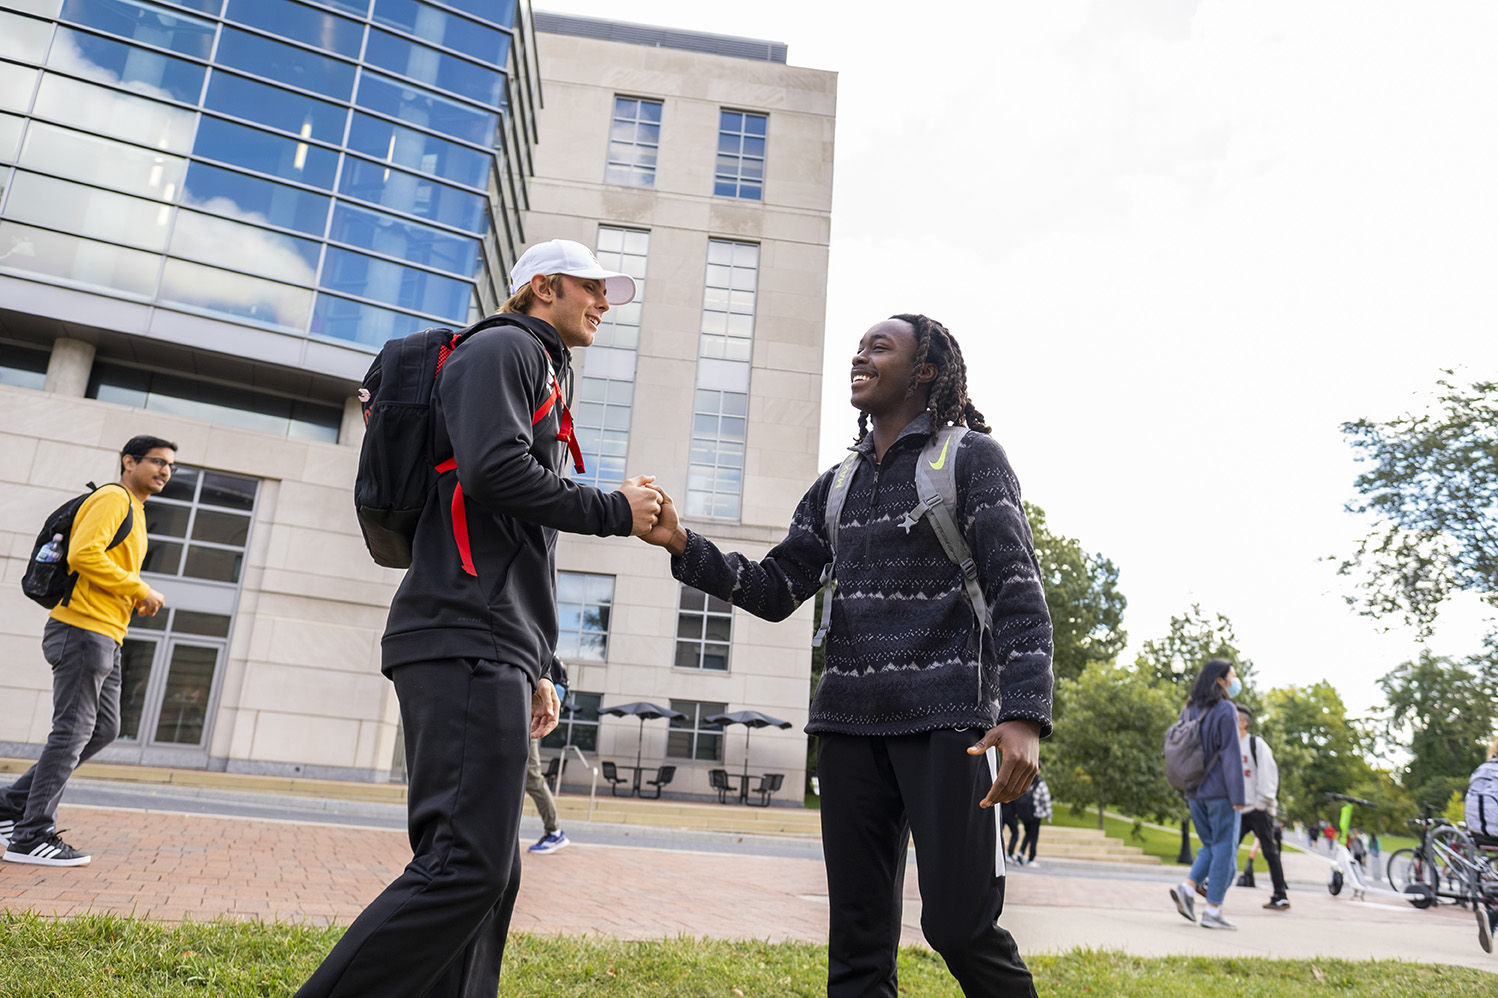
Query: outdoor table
{"type": "Point", "coordinates": [744, 779]}
{"type": "Point", "coordinates": [637, 770]}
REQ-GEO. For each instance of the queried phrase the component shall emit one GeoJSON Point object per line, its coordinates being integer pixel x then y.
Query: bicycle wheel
{"type": "Point", "coordinates": [1410, 873]}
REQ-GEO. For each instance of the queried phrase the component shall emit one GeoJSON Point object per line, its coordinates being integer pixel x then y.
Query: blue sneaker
{"type": "Point", "coordinates": [552, 842]}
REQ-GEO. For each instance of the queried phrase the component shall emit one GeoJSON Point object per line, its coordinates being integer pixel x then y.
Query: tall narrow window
{"type": "Point", "coordinates": [623, 250]}
{"type": "Point", "coordinates": [634, 141]}
{"type": "Point", "coordinates": [740, 169]}
{"type": "Point", "coordinates": [728, 300]}
{"type": "Point", "coordinates": [704, 630]}
{"type": "Point", "coordinates": [602, 415]}
{"type": "Point", "coordinates": [605, 396]}
{"type": "Point", "coordinates": [585, 602]}
{"type": "Point", "coordinates": [715, 476]}
{"type": "Point", "coordinates": [692, 738]}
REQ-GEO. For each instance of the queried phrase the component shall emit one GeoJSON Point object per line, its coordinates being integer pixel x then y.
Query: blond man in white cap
{"type": "Point", "coordinates": [468, 643]}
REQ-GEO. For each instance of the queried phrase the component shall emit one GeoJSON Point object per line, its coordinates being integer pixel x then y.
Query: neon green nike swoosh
{"type": "Point", "coordinates": [937, 464]}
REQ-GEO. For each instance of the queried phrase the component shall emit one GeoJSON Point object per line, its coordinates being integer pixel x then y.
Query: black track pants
{"type": "Point", "coordinates": [876, 792]}
{"type": "Point", "coordinates": [439, 930]}
{"type": "Point", "coordinates": [1262, 826]}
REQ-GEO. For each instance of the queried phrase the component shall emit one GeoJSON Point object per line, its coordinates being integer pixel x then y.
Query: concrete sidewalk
{"type": "Point", "coordinates": [170, 866]}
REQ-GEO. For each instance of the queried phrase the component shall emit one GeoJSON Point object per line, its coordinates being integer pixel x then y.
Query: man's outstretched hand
{"type": "Point", "coordinates": [1018, 743]}
{"type": "Point", "coordinates": [644, 503]}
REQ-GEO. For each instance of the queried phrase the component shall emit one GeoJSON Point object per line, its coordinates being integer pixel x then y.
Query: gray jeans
{"type": "Point", "coordinates": [85, 718]}
{"type": "Point", "coordinates": [535, 785]}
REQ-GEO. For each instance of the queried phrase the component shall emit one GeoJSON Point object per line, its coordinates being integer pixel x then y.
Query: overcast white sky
{"type": "Point", "coordinates": [1180, 243]}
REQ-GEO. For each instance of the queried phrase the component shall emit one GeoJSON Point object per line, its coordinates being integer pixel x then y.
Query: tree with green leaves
{"type": "Point", "coordinates": [1444, 711]}
{"type": "Point", "coordinates": [1319, 750]}
{"type": "Point", "coordinates": [1106, 748]}
{"type": "Point", "coordinates": [1081, 591]}
{"type": "Point", "coordinates": [1175, 659]}
{"type": "Point", "coordinates": [1432, 487]}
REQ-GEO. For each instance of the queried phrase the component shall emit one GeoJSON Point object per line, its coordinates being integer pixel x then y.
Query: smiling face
{"type": "Point", "coordinates": [881, 370]}
{"type": "Point", "coordinates": [576, 311]}
{"type": "Point", "coordinates": [149, 474]}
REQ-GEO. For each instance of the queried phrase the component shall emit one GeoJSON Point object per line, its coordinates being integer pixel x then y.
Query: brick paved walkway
{"type": "Point", "coordinates": [169, 866]}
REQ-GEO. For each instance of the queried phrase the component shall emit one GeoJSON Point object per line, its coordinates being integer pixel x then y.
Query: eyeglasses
{"type": "Point", "coordinates": [160, 462]}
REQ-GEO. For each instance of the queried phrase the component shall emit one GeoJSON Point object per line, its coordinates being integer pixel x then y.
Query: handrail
{"type": "Point", "coordinates": [593, 791]}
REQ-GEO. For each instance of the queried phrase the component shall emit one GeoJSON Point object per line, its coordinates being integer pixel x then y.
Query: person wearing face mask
{"type": "Point", "coordinates": [1217, 802]}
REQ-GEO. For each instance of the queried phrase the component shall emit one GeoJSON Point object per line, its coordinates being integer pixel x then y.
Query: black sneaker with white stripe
{"type": "Point", "coordinates": [49, 850]}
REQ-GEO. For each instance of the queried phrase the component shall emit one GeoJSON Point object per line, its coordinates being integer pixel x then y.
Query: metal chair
{"type": "Point", "coordinates": [662, 777]}
{"type": "Point", "coordinates": [718, 779]}
{"type": "Point", "coordinates": [768, 784]}
{"type": "Point", "coordinates": [550, 773]}
{"type": "Point", "coordinates": [611, 773]}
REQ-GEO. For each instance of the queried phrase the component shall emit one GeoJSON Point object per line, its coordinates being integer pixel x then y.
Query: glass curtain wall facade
{"type": "Point", "coordinates": [349, 170]}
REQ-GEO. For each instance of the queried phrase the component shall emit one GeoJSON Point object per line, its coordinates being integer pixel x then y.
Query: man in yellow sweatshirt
{"type": "Point", "coordinates": [82, 644]}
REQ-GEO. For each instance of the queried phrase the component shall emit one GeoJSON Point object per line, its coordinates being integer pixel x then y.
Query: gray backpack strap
{"type": "Point", "coordinates": [836, 496]}
{"type": "Point", "coordinates": [936, 488]}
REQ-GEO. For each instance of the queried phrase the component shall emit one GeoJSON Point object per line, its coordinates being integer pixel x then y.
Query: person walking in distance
{"type": "Point", "coordinates": [1009, 817]}
{"type": "Point", "coordinates": [920, 686]}
{"type": "Point", "coordinates": [472, 629]}
{"type": "Point", "coordinates": [552, 837]}
{"type": "Point", "coordinates": [1218, 800]}
{"type": "Point", "coordinates": [1034, 806]}
{"type": "Point", "coordinates": [82, 642]}
{"type": "Point", "coordinates": [1261, 786]}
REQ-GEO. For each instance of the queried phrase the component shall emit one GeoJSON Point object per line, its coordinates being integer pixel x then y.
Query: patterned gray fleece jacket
{"type": "Point", "coordinates": [904, 654]}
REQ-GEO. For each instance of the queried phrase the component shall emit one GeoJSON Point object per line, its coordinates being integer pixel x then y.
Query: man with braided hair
{"type": "Point", "coordinates": [917, 692]}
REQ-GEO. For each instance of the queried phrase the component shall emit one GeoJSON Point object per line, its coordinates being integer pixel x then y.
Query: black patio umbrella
{"type": "Point", "coordinates": [645, 712]}
{"type": "Point", "coordinates": [750, 719]}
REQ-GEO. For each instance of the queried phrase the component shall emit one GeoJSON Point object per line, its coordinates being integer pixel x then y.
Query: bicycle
{"type": "Point", "coordinates": [1452, 865]}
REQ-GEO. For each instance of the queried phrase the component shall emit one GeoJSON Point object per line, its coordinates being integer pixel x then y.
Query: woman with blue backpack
{"type": "Point", "coordinates": [1217, 801]}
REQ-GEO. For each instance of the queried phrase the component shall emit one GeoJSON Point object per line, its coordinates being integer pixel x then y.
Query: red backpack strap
{"type": "Point", "coordinates": [565, 433]}
{"type": "Point", "coordinates": [554, 398]}
{"type": "Point", "coordinates": [460, 519]}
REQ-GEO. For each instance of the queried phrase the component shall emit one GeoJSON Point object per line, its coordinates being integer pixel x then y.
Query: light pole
{"type": "Point", "coordinates": [1177, 672]}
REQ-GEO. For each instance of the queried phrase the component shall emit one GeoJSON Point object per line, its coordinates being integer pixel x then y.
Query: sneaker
{"type": "Point", "coordinates": [1278, 904]}
{"type": "Point", "coordinates": [8, 827]}
{"type": "Point", "coordinates": [46, 851]}
{"type": "Point", "coordinates": [1211, 921]}
{"type": "Point", "coordinates": [1032, 862]}
{"type": "Point", "coordinates": [1185, 900]}
{"type": "Point", "coordinates": [1201, 889]}
{"type": "Point", "coordinates": [1484, 928]}
{"type": "Point", "coordinates": [551, 842]}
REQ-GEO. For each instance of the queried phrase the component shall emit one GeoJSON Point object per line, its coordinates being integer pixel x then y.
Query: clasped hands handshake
{"type": "Point", "coordinates": [655, 519]}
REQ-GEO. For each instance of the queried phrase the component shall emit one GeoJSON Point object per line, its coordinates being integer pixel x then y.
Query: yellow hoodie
{"type": "Point", "coordinates": [109, 583]}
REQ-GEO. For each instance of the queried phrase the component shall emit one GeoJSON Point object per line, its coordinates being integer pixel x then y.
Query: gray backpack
{"type": "Point", "coordinates": [1185, 758]}
{"type": "Point", "coordinates": [936, 490]}
{"type": "Point", "coordinates": [1482, 800]}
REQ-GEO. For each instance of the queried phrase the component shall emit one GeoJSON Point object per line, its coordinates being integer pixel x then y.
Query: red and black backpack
{"type": "Point", "coordinates": [396, 474]}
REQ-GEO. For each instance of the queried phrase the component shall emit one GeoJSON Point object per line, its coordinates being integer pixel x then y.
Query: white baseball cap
{"type": "Point", "coordinates": [563, 256]}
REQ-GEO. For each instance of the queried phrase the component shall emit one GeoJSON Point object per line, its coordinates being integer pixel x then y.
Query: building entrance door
{"type": "Point", "coordinates": [169, 687]}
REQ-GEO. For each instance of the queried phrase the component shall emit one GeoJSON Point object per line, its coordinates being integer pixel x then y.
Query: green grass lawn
{"type": "Point", "coordinates": [1154, 842]}
{"type": "Point", "coordinates": [100, 955]}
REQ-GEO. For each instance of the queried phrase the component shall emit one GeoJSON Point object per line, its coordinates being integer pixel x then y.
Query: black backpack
{"type": "Point", "coordinates": [396, 475]}
{"type": "Point", "coordinates": [50, 582]}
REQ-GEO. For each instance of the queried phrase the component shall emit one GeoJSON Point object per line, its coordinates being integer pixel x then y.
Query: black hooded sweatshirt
{"type": "Point", "coordinates": [516, 500]}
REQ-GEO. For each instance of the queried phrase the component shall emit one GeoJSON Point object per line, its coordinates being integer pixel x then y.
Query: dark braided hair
{"type": "Point", "coordinates": [948, 402]}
